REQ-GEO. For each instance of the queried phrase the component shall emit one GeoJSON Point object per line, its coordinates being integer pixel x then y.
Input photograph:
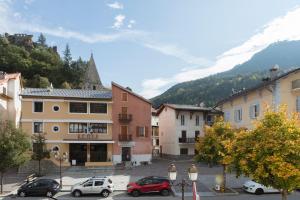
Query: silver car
{"type": "Point", "coordinates": [95, 185]}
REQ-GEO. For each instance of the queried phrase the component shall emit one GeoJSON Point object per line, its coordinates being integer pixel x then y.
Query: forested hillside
{"type": "Point", "coordinates": [213, 88]}
{"type": "Point", "coordinates": [39, 63]}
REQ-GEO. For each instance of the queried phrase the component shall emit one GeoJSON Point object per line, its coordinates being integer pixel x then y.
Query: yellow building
{"type": "Point", "coordinates": [75, 122]}
{"type": "Point", "coordinates": [245, 106]}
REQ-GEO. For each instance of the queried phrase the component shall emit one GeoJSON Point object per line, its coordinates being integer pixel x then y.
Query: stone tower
{"type": "Point", "coordinates": [92, 79]}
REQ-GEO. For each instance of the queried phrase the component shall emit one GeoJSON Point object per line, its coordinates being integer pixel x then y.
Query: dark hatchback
{"type": "Point", "coordinates": [39, 187]}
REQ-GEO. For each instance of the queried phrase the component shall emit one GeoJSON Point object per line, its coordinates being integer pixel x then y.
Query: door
{"type": "Point", "coordinates": [98, 152]}
{"type": "Point", "coordinates": [147, 186]}
{"type": "Point", "coordinates": [126, 154]}
{"type": "Point", "coordinates": [97, 187]}
{"type": "Point", "coordinates": [78, 152]}
{"type": "Point", "coordinates": [87, 187]}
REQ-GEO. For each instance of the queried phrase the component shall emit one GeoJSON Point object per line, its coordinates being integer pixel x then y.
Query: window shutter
{"type": "Point", "coordinates": [241, 115]}
{"type": "Point", "coordinates": [298, 104]}
{"type": "Point", "coordinates": [251, 112]}
{"type": "Point", "coordinates": [137, 131]}
{"type": "Point", "coordinates": [258, 110]}
{"type": "Point", "coordinates": [146, 131]}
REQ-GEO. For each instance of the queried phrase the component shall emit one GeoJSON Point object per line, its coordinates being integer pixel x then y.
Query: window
{"type": "Point", "coordinates": [197, 120]}
{"type": "Point", "coordinates": [77, 107]}
{"type": "Point", "coordinates": [157, 142]}
{"type": "Point", "coordinates": [227, 116]}
{"type": "Point", "coordinates": [124, 96]}
{"type": "Point", "coordinates": [183, 134]}
{"type": "Point", "coordinates": [55, 108]}
{"type": "Point", "coordinates": [78, 128]}
{"type": "Point", "coordinates": [209, 118]}
{"type": "Point", "coordinates": [238, 115]}
{"type": "Point", "coordinates": [98, 108]}
{"type": "Point", "coordinates": [4, 90]}
{"type": "Point", "coordinates": [254, 111]}
{"type": "Point", "coordinates": [37, 147]}
{"type": "Point", "coordinates": [141, 131]}
{"type": "Point", "coordinates": [182, 120]}
{"type": "Point", "coordinates": [98, 183]}
{"type": "Point", "coordinates": [37, 127]}
{"type": "Point", "coordinates": [124, 110]}
{"type": "Point", "coordinates": [88, 184]}
{"type": "Point", "coordinates": [38, 107]}
{"type": "Point", "coordinates": [184, 151]}
{"type": "Point", "coordinates": [55, 128]}
{"type": "Point", "coordinates": [197, 134]}
{"type": "Point", "coordinates": [98, 128]}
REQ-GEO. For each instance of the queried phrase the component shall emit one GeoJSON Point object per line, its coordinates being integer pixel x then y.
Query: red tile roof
{"type": "Point", "coordinates": [8, 77]}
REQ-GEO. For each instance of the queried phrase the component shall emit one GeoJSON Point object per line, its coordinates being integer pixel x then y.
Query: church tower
{"type": "Point", "coordinates": [92, 79]}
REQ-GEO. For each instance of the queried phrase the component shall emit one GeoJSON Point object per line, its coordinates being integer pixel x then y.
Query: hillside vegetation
{"type": "Point", "coordinates": [216, 87]}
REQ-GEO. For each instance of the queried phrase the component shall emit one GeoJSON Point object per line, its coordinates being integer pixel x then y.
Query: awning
{"type": "Point", "coordinates": [80, 141]}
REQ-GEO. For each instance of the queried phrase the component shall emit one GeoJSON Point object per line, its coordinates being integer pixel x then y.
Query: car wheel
{"type": "Point", "coordinates": [22, 194]}
{"type": "Point", "coordinates": [76, 193]}
{"type": "Point", "coordinates": [135, 193]}
{"type": "Point", "coordinates": [105, 193]}
{"type": "Point", "coordinates": [49, 194]}
{"type": "Point", "coordinates": [259, 191]}
{"type": "Point", "coordinates": [165, 192]}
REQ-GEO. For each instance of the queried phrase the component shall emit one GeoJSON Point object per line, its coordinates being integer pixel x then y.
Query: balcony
{"type": "Point", "coordinates": [125, 118]}
{"type": "Point", "coordinates": [125, 138]}
{"type": "Point", "coordinates": [296, 85]}
{"type": "Point", "coordinates": [186, 140]}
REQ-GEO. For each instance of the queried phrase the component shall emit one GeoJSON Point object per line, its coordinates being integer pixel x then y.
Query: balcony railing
{"type": "Point", "coordinates": [296, 84]}
{"type": "Point", "coordinates": [125, 118]}
{"type": "Point", "coordinates": [125, 138]}
{"type": "Point", "coordinates": [186, 140]}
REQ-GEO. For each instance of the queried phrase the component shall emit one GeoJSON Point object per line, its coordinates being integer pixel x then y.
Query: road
{"type": "Point", "coordinates": [124, 196]}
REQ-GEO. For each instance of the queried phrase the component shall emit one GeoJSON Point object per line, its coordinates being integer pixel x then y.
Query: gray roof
{"type": "Point", "coordinates": [187, 107]}
{"type": "Point", "coordinates": [67, 93]}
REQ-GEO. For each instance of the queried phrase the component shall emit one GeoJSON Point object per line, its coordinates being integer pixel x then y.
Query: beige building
{"type": "Point", "coordinates": [76, 122]}
{"type": "Point", "coordinates": [10, 101]}
{"type": "Point", "coordinates": [245, 106]}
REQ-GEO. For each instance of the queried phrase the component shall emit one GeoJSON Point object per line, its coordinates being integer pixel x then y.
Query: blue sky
{"type": "Point", "coordinates": [152, 45]}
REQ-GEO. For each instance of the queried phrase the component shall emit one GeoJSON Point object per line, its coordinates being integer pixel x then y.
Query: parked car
{"type": "Point", "coordinates": [257, 188]}
{"type": "Point", "coordinates": [39, 187]}
{"type": "Point", "coordinates": [94, 185]}
{"type": "Point", "coordinates": [148, 185]}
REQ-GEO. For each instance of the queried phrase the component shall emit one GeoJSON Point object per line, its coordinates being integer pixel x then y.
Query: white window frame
{"type": "Point", "coordinates": [43, 128]}
{"type": "Point", "coordinates": [144, 131]}
{"type": "Point", "coordinates": [238, 115]}
{"type": "Point", "coordinates": [182, 120]}
{"type": "Point", "coordinates": [33, 106]}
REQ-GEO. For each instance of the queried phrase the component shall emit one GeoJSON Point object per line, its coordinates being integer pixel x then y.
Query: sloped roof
{"type": "Point", "coordinates": [67, 93]}
{"type": "Point", "coordinates": [186, 108]}
{"type": "Point", "coordinates": [259, 86]}
{"type": "Point", "coordinates": [9, 76]}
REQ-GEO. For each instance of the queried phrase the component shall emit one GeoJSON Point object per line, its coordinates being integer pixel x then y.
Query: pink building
{"type": "Point", "coordinates": [131, 115]}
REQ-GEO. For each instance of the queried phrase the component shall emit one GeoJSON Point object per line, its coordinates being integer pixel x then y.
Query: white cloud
{"type": "Point", "coordinates": [119, 21]}
{"type": "Point", "coordinates": [131, 23]}
{"type": "Point", "coordinates": [279, 29]}
{"type": "Point", "coordinates": [28, 2]}
{"type": "Point", "coordinates": [116, 5]}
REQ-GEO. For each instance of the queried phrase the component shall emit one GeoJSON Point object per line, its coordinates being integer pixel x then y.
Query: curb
{"type": "Point", "coordinates": [233, 193]}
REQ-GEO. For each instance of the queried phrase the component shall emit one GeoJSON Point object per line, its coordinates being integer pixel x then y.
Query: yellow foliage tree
{"type": "Point", "coordinates": [212, 147]}
{"type": "Point", "coordinates": [270, 153]}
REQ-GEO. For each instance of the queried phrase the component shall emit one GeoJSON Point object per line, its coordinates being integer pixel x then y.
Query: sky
{"type": "Point", "coordinates": [151, 45]}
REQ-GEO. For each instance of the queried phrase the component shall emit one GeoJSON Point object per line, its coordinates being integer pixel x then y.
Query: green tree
{"type": "Point", "coordinates": [67, 56]}
{"type": "Point", "coordinates": [212, 147]}
{"type": "Point", "coordinates": [39, 149]}
{"type": "Point", "coordinates": [14, 145]}
{"type": "Point", "coordinates": [42, 40]}
{"type": "Point", "coordinates": [270, 153]}
{"type": "Point", "coordinates": [39, 82]}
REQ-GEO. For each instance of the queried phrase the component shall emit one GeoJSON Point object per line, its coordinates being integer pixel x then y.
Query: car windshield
{"type": "Point", "coordinates": [84, 182]}
{"type": "Point", "coordinates": [141, 181]}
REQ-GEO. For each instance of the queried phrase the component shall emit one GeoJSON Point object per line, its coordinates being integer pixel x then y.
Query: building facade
{"type": "Point", "coordinates": [10, 101]}
{"type": "Point", "coordinates": [131, 126]}
{"type": "Point", "coordinates": [75, 122]}
{"type": "Point", "coordinates": [180, 125]}
{"type": "Point", "coordinates": [155, 133]}
{"type": "Point", "coordinates": [243, 108]}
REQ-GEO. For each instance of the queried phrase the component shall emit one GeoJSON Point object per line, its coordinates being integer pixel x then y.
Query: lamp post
{"type": "Point", "coordinates": [192, 173]}
{"type": "Point", "coordinates": [60, 158]}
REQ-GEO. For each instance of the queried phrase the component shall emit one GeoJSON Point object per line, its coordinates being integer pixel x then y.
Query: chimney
{"type": "Point", "coordinates": [274, 72]}
{"type": "Point", "coordinates": [50, 88]}
{"type": "Point", "coordinates": [2, 75]}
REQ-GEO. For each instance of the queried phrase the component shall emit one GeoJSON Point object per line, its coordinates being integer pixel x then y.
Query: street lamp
{"type": "Point", "coordinates": [60, 158]}
{"type": "Point", "coordinates": [192, 173]}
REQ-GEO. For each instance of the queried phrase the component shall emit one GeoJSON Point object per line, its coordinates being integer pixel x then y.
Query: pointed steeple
{"type": "Point", "coordinates": [92, 79]}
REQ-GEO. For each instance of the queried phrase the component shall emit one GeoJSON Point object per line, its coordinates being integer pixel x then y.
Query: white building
{"type": "Point", "coordinates": [10, 102]}
{"type": "Point", "coordinates": [155, 132]}
{"type": "Point", "coordinates": [179, 125]}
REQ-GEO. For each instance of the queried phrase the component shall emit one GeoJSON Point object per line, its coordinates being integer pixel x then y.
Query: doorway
{"type": "Point", "coordinates": [126, 154]}
{"type": "Point", "coordinates": [78, 152]}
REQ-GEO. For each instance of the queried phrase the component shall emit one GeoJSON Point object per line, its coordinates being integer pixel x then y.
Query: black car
{"type": "Point", "coordinates": [39, 187]}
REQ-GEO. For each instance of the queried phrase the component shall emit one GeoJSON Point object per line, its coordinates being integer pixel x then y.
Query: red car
{"type": "Point", "coordinates": [148, 185]}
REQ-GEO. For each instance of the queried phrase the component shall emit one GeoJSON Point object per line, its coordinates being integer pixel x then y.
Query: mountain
{"type": "Point", "coordinates": [213, 88]}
